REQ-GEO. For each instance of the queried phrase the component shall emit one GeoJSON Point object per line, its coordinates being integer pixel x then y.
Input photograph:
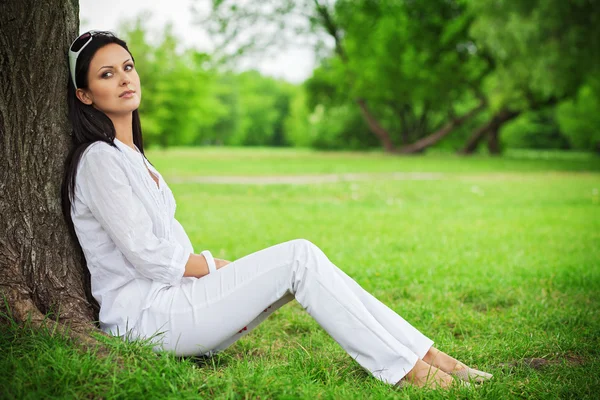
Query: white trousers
{"type": "Point", "coordinates": [206, 315]}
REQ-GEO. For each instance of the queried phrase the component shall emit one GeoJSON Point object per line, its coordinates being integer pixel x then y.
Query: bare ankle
{"type": "Point", "coordinates": [443, 361]}
{"type": "Point", "coordinates": [426, 375]}
{"type": "Point", "coordinates": [431, 355]}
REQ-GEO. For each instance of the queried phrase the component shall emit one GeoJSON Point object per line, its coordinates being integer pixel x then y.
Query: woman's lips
{"type": "Point", "coordinates": [129, 92]}
{"type": "Point", "coordinates": [127, 95]}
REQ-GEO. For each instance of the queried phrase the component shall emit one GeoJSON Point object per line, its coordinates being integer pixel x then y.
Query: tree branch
{"type": "Point", "coordinates": [375, 127]}
{"type": "Point", "coordinates": [441, 133]}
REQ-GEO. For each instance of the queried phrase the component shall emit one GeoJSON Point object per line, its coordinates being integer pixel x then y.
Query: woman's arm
{"type": "Point", "coordinates": [197, 267]}
{"type": "Point", "coordinates": [110, 197]}
{"type": "Point", "coordinates": [106, 190]}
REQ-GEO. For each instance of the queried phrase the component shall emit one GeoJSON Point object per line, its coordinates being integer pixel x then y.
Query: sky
{"type": "Point", "coordinates": [291, 64]}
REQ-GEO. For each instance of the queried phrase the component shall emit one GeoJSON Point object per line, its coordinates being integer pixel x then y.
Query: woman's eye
{"type": "Point", "coordinates": [107, 74]}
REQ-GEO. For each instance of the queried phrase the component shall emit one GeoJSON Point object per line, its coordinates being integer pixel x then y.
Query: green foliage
{"type": "Point", "coordinates": [534, 130]}
{"type": "Point", "coordinates": [579, 118]}
{"type": "Point", "coordinates": [296, 123]}
{"type": "Point", "coordinates": [541, 48]}
{"type": "Point", "coordinates": [178, 97]}
{"type": "Point", "coordinates": [340, 127]}
{"type": "Point", "coordinates": [257, 108]}
{"type": "Point", "coordinates": [409, 53]}
{"type": "Point", "coordinates": [262, 106]}
{"type": "Point", "coordinates": [412, 61]}
{"type": "Point", "coordinates": [417, 64]}
{"type": "Point", "coordinates": [496, 260]}
{"type": "Point", "coordinates": [188, 102]}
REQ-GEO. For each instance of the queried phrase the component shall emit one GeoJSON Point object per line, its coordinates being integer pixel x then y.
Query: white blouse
{"type": "Point", "coordinates": [126, 226]}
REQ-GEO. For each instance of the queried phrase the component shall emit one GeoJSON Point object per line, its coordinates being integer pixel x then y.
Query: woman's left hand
{"type": "Point", "coordinates": [221, 263]}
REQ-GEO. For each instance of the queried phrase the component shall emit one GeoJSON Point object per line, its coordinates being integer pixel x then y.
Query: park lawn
{"type": "Point", "coordinates": [497, 260]}
{"type": "Point", "coordinates": [227, 161]}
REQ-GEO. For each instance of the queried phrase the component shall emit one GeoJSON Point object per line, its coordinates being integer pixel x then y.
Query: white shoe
{"type": "Point", "coordinates": [471, 375]}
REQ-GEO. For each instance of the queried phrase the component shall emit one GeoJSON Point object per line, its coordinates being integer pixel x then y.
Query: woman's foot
{"type": "Point", "coordinates": [427, 376]}
{"type": "Point", "coordinates": [454, 367]}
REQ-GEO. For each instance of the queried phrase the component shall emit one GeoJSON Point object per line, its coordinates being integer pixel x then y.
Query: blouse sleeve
{"type": "Point", "coordinates": [181, 236]}
{"type": "Point", "coordinates": [107, 192]}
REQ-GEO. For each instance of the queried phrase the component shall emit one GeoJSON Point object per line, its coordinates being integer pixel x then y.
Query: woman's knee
{"type": "Point", "coordinates": [304, 245]}
{"type": "Point", "coordinates": [305, 250]}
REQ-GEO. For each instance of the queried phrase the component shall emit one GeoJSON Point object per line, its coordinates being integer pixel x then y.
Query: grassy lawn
{"type": "Point", "coordinates": [497, 260]}
{"type": "Point", "coordinates": [182, 162]}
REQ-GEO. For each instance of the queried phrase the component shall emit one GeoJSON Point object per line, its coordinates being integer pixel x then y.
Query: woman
{"type": "Point", "coordinates": [146, 276]}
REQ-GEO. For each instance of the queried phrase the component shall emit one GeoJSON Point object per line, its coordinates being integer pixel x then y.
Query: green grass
{"type": "Point", "coordinates": [498, 260]}
{"type": "Point", "coordinates": [185, 162]}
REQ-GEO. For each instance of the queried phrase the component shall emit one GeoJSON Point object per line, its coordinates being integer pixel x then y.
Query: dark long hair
{"type": "Point", "coordinates": [89, 124]}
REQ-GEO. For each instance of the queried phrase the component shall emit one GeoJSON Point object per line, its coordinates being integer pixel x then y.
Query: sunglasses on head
{"type": "Point", "coordinates": [76, 48]}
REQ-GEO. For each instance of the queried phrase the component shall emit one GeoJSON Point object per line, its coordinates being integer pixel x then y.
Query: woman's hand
{"type": "Point", "coordinates": [197, 266]}
{"type": "Point", "coordinates": [221, 263]}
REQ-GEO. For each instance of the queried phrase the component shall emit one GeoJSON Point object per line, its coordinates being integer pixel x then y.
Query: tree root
{"type": "Point", "coordinates": [83, 334]}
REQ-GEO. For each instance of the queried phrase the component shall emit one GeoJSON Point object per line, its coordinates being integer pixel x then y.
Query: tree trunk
{"type": "Point", "coordinates": [492, 126]}
{"type": "Point", "coordinates": [42, 269]}
{"type": "Point", "coordinates": [493, 140]}
{"type": "Point", "coordinates": [476, 137]}
{"type": "Point", "coordinates": [435, 137]}
{"type": "Point", "coordinates": [332, 29]}
{"type": "Point", "coordinates": [405, 137]}
{"type": "Point", "coordinates": [401, 113]}
{"type": "Point", "coordinates": [376, 127]}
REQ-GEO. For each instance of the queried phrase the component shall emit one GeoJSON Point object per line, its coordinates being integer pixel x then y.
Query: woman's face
{"type": "Point", "coordinates": [113, 83]}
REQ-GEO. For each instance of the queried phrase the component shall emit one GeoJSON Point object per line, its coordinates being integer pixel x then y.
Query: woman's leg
{"type": "Point", "coordinates": [200, 316]}
{"type": "Point", "coordinates": [454, 367]}
{"type": "Point", "coordinates": [253, 324]}
{"type": "Point", "coordinates": [411, 337]}
{"type": "Point", "coordinates": [404, 332]}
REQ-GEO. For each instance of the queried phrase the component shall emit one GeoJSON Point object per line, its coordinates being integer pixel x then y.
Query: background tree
{"type": "Point", "coordinates": [417, 70]}
{"type": "Point", "coordinates": [579, 117]}
{"type": "Point", "coordinates": [411, 65]}
{"type": "Point", "coordinates": [180, 103]}
{"type": "Point", "coordinates": [41, 267]}
{"type": "Point", "coordinates": [543, 51]}
{"type": "Point", "coordinates": [188, 101]}
{"type": "Point", "coordinates": [404, 64]}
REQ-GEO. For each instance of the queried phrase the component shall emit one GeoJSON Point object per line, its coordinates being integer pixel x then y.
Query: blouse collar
{"type": "Point", "coordinates": [124, 146]}
{"type": "Point", "coordinates": [134, 154]}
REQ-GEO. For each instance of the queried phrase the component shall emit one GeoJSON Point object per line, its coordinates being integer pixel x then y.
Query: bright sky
{"type": "Point", "coordinates": [293, 64]}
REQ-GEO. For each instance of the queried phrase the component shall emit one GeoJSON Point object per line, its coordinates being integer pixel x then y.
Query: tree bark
{"type": "Point", "coordinates": [402, 113]}
{"type": "Point", "coordinates": [494, 140]}
{"type": "Point", "coordinates": [492, 126]}
{"type": "Point", "coordinates": [42, 269]}
{"type": "Point", "coordinates": [435, 137]}
{"type": "Point", "coordinates": [333, 30]}
{"type": "Point", "coordinates": [475, 137]}
{"type": "Point", "coordinates": [405, 133]}
{"type": "Point", "coordinates": [375, 126]}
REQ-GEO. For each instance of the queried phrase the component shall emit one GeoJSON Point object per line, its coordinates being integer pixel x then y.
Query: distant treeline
{"type": "Point", "coordinates": [402, 75]}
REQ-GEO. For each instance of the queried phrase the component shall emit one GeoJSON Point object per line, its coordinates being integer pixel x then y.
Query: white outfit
{"type": "Point", "coordinates": [136, 252]}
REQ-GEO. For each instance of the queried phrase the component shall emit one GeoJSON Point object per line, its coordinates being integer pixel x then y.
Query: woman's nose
{"type": "Point", "coordinates": [125, 79]}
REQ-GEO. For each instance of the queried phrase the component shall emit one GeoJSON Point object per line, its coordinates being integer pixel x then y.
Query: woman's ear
{"type": "Point", "coordinates": [83, 96]}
